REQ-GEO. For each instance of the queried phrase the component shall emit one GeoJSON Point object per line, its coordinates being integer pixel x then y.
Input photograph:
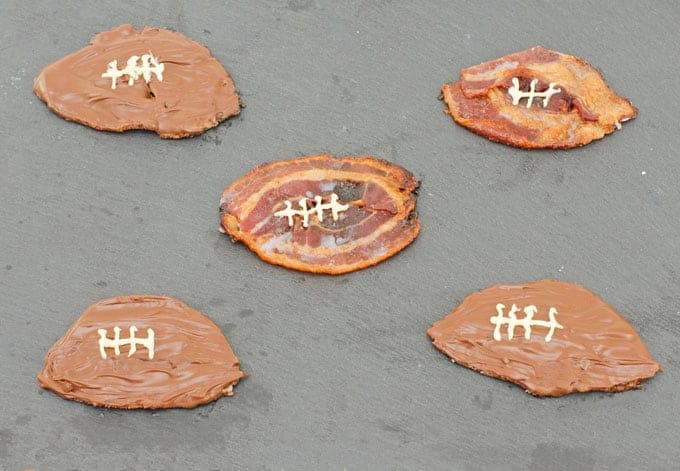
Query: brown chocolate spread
{"type": "Point", "coordinates": [177, 90]}
{"type": "Point", "coordinates": [147, 352]}
{"type": "Point", "coordinates": [550, 337]}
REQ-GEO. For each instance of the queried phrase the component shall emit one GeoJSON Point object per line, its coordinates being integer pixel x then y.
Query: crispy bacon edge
{"type": "Point", "coordinates": [405, 183]}
{"type": "Point", "coordinates": [470, 93]}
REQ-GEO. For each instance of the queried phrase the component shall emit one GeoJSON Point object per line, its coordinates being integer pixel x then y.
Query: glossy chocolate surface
{"type": "Point", "coordinates": [591, 348]}
{"type": "Point", "coordinates": [195, 92]}
{"type": "Point", "coordinates": [192, 361]}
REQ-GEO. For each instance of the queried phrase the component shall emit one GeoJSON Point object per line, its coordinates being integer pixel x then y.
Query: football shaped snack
{"type": "Point", "coordinates": [321, 214]}
{"type": "Point", "coordinates": [550, 337]}
{"type": "Point", "coordinates": [536, 98]}
{"type": "Point", "coordinates": [151, 79]}
{"type": "Point", "coordinates": [133, 352]}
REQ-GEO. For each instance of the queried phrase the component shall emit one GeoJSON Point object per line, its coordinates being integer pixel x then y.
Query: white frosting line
{"type": "Point", "coordinates": [149, 65]}
{"type": "Point", "coordinates": [526, 323]}
{"type": "Point", "coordinates": [517, 95]}
{"type": "Point", "coordinates": [116, 342]}
{"type": "Point", "coordinates": [318, 208]}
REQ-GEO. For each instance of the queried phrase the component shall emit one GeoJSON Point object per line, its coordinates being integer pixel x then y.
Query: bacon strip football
{"type": "Point", "coordinates": [503, 100]}
{"type": "Point", "coordinates": [374, 212]}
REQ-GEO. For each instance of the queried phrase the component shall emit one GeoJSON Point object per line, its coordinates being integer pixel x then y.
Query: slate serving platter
{"type": "Point", "coordinates": [343, 375]}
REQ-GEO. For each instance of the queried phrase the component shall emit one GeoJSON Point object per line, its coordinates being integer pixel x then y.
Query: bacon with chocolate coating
{"type": "Point", "coordinates": [584, 109]}
{"type": "Point", "coordinates": [550, 337]}
{"type": "Point", "coordinates": [370, 218]}
{"type": "Point", "coordinates": [184, 93]}
{"type": "Point", "coordinates": [150, 352]}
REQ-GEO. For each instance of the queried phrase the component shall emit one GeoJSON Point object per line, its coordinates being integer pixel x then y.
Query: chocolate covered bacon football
{"type": "Point", "coordinates": [133, 352]}
{"type": "Point", "coordinates": [536, 98]}
{"type": "Point", "coordinates": [151, 79]}
{"type": "Point", "coordinates": [550, 337]}
{"type": "Point", "coordinates": [323, 214]}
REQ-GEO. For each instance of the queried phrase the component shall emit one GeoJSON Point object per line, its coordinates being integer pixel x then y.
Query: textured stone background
{"type": "Point", "coordinates": [343, 375]}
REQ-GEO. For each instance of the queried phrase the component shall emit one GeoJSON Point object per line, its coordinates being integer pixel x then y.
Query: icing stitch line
{"type": "Point", "coordinates": [149, 65]}
{"type": "Point", "coordinates": [517, 95]}
{"type": "Point", "coordinates": [318, 208]}
{"type": "Point", "coordinates": [526, 323]}
{"type": "Point", "coordinates": [116, 342]}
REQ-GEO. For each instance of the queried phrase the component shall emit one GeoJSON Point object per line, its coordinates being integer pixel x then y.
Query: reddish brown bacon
{"type": "Point", "coordinates": [379, 219]}
{"type": "Point", "coordinates": [585, 108]}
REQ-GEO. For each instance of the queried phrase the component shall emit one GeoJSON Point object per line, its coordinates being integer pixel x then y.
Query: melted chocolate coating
{"type": "Point", "coordinates": [595, 350]}
{"type": "Point", "coordinates": [196, 93]}
{"type": "Point", "coordinates": [192, 362]}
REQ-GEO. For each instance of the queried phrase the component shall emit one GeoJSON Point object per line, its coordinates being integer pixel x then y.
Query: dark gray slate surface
{"type": "Point", "coordinates": [343, 376]}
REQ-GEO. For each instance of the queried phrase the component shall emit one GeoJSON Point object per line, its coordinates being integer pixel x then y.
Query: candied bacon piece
{"type": "Point", "coordinates": [285, 212]}
{"type": "Point", "coordinates": [571, 106]}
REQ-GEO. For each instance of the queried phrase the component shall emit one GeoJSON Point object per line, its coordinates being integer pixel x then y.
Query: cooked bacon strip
{"type": "Point", "coordinates": [380, 219]}
{"type": "Point", "coordinates": [192, 92]}
{"type": "Point", "coordinates": [585, 108]}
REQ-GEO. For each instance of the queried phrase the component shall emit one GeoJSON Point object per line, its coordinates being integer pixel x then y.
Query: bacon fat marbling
{"type": "Point", "coordinates": [585, 108]}
{"type": "Point", "coordinates": [379, 221]}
